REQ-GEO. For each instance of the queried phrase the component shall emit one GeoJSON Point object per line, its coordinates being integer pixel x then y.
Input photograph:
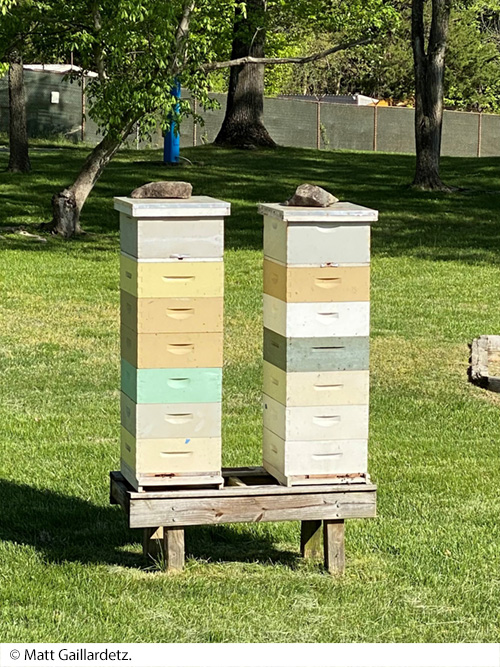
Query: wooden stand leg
{"type": "Point", "coordinates": [173, 548]}
{"type": "Point", "coordinates": [310, 539]}
{"type": "Point", "coordinates": [333, 542]}
{"type": "Point", "coordinates": [150, 543]}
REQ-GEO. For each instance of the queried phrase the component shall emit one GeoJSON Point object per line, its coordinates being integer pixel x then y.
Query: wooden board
{"type": "Point", "coordinates": [310, 539]}
{"type": "Point", "coordinates": [240, 510]}
{"type": "Point", "coordinates": [256, 479]}
{"type": "Point", "coordinates": [173, 548]}
{"type": "Point", "coordinates": [305, 480]}
{"type": "Point", "coordinates": [334, 546]}
{"type": "Point", "coordinates": [484, 367]}
{"type": "Point", "coordinates": [242, 504]}
{"type": "Point", "coordinates": [141, 481]}
{"type": "Point", "coordinates": [314, 284]}
{"type": "Point", "coordinates": [183, 315]}
{"type": "Point", "coordinates": [197, 206]}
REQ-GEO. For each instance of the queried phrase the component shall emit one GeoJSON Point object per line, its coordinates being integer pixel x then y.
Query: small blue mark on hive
{"type": "Point", "coordinates": [188, 440]}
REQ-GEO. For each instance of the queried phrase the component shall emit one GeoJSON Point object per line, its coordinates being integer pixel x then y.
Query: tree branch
{"type": "Point", "coordinates": [439, 28]}
{"type": "Point", "coordinates": [418, 30]}
{"type": "Point", "coordinates": [18, 40]}
{"type": "Point", "coordinates": [97, 47]}
{"type": "Point", "coordinates": [182, 35]}
{"type": "Point", "coordinates": [297, 60]}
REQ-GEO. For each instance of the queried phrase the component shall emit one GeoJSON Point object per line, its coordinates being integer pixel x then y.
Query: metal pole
{"type": "Point", "coordinates": [195, 124]}
{"type": "Point", "coordinates": [318, 125]}
{"type": "Point", "coordinates": [83, 107]}
{"type": "Point", "coordinates": [479, 133]}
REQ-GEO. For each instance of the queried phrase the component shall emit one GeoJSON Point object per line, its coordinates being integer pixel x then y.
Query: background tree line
{"type": "Point", "coordinates": [384, 69]}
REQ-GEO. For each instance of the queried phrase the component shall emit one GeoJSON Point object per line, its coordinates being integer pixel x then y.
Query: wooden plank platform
{"type": "Point", "coordinates": [248, 495]}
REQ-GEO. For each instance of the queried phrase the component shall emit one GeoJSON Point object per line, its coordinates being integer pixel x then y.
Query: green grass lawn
{"type": "Point", "coordinates": [427, 569]}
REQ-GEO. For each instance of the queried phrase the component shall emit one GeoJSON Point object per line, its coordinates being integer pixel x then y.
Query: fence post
{"type": "Point", "coordinates": [318, 125]}
{"type": "Point", "coordinates": [83, 106]}
{"type": "Point", "coordinates": [195, 124]}
{"type": "Point", "coordinates": [479, 132]}
{"type": "Point", "coordinates": [375, 127]}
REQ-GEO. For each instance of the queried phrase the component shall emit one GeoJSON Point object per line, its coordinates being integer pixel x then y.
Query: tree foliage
{"type": "Point", "coordinates": [138, 48]}
{"type": "Point", "coordinates": [137, 51]}
{"type": "Point", "coordinates": [384, 69]}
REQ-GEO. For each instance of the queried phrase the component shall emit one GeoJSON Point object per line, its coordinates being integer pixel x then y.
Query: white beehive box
{"type": "Point", "coordinates": [309, 320]}
{"type": "Point", "coordinates": [315, 458]}
{"type": "Point", "coordinates": [338, 422]}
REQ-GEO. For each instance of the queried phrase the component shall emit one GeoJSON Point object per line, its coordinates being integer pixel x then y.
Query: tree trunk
{"type": "Point", "coordinates": [19, 160]}
{"type": "Point", "coordinates": [67, 204]}
{"type": "Point", "coordinates": [429, 77]}
{"type": "Point", "coordinates": [243, 125]}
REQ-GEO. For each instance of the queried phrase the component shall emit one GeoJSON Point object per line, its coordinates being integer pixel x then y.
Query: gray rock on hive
{"type": "Point", "coordinates": [163, 190]}
{"type": "Point", "coordinates": [311, 195]}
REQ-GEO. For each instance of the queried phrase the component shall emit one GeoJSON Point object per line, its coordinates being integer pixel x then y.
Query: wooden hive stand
{"type": "Point", "coordinates": [248, 495]}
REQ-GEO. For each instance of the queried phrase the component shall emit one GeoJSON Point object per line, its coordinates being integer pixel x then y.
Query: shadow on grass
{"type": "Point", "coordinates": [67, 528]}
{"type": "Point", "coordinates": [90, 246]}
{"type": "Point", "coordinates": [463, 225]}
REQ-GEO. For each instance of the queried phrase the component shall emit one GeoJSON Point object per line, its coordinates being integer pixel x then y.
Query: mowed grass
{"type": "Point", "coordinates": [427, 569]}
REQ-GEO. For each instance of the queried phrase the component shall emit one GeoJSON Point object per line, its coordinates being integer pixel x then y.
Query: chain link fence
{"type": "Point", "coordinates": [297, 123]}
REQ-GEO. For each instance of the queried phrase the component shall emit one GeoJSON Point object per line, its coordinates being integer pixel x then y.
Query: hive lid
{"type": "Point", "coordinates": [342, 211]}
{"type": "Point", "coordinates": [197, 206]}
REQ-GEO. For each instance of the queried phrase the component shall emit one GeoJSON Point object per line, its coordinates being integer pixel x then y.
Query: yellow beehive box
{"type": "Point", "coordinates": [159, 279]}
{"type": "Point", "coordinates": [162, 350]}
{"type": "Point", "coordinates": [182, 315]}
{"type": "Point", "coordinates": [316, 284]}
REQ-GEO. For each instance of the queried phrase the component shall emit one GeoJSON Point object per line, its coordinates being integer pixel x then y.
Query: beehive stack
{"type": "Point", "coordinates": [316, 342]}
{"type": "Point", "coordinates": [172, 282]}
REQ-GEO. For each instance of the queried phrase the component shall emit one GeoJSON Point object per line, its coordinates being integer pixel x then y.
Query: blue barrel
{"type": "Point", "coordinates": [171, 142]}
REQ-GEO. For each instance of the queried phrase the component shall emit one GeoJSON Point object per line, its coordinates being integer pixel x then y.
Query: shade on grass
{"type": "Point", "coordinates": [427, 569]}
